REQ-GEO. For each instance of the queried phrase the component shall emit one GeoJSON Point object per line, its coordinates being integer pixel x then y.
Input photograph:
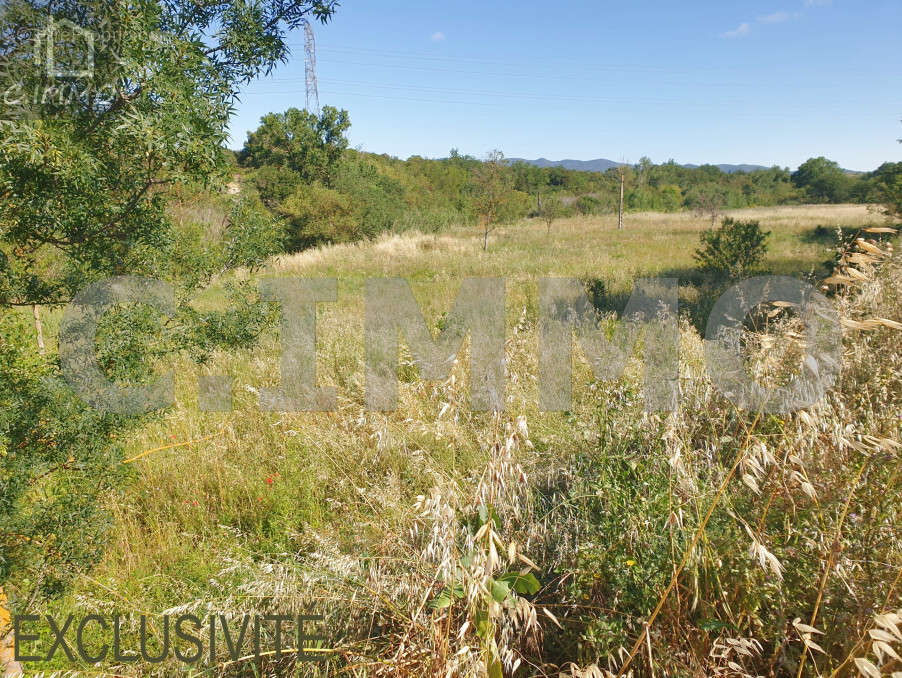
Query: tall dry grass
{"type": "Point", "coordinates": [774, 538]}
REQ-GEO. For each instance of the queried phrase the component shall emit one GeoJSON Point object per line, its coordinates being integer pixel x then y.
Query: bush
{"type": "Point", "coordinates": [317, 214]}
{"type": "Point", "coordinates": [888, 182]}
{"type": "Point", "coordinates": [733, 249]}
{"type": "Point", "coordinates": [57, 457]}
{"type": "Point", "coordinates": [377, 199]}
{"type": "Point", "coordinates": [588, 204]}
{"type": "Point", "coordinates": [671, 198]}
{"type": "Point", "coordinates": [275, 184]}
{"type": "Point", "coordinates": [515, 207]}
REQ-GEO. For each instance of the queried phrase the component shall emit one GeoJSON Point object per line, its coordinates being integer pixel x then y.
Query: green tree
{"type": "Point", "coordinates": [707, 200]}
{"type": "Point", "coordinates": [275, 184]}
{"type": "Point", "coordinates": [318, 214]}
{"type": "Point", "coordinates": [671, 198]}
{"type": "Point", "coordinates": [733, 249]}
{"type": "Point", "coordinates": [300, 141]}
{"type": "Point", "coordinates": [493, 192]}
{"type": "Point", "coordinates": [87, 164]}
{"type": "Point", "coordinates": [887, 180]}
{"type": "Point", "coordinates": [823, 180]}
{"type": "Point", "coordinates": [56, 459]}
{"type": "Point", "coordinates": [550, 210]}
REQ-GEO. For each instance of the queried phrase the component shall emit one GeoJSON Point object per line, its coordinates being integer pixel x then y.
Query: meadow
{"type": "Point", "coordinates": [433, 540]}
{"type": "Point", "coordinates": [368, 517]}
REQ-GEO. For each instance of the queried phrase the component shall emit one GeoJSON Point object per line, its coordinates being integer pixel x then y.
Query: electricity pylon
{"type": "Point", "coordinates": [310, 72]}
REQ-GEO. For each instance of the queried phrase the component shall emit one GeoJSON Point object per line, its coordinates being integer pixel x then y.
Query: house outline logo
{"type": "Point", "coordinates": [51, 36]}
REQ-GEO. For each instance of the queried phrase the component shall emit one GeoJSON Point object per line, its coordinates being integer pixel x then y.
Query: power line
{"type": "Point", "coordinates": [483, 62]}
{"type": "Point", "coordinates": [737, 111]}
{"type": "Point", "coordinates": [532, 74]}
{"type": "Point", "coordinates": [670, 76]}
{"type": "Point", "coordinates": [735, 105]}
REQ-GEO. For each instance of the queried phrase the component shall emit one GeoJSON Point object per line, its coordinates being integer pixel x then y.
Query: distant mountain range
{"type": "Point", "coordinates": [599, 165]}
{"type": "Point", "coordinates": [603, 165]}
{"type": "Point", "coordinates": [729, 169]}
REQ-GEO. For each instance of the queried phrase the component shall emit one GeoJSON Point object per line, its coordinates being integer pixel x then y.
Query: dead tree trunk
{"type": "Point", "coordinates": [620, 214]}
{"type": "Point", "coordinates": [489, 220]}
{"type": "Point", "coordinates": [38, 328]}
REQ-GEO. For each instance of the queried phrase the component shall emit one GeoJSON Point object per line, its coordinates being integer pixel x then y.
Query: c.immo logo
{"type": "Point", "coordinates": [62, 70]}
{"type": "Point", "coordinates": [65, 50]}
{"type": "Point", "coordinates": [565, 313]}
{"type": "Point", "coordinates": [187, 638]}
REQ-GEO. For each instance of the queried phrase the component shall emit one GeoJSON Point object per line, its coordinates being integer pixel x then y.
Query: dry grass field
{"type": "Point", "coordinates": [650, 243]}
{"type": "Point", "coordinates": [363, 515]}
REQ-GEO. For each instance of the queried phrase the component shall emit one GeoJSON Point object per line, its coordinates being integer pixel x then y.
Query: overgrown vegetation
{"type": "Point", "coordinates": [345, 195]}
{"type": "Point", "coordinates": [91, 169]}
{"type": "Point", "coordinates": [369, 516]}
{"type": "Point", "coordinates": [734, 249]}
{"type": "Point", "coordinates": [435, 540]}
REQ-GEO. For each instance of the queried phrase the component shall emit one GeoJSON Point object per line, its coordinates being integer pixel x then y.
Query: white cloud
{"type": "Point", "coordinates": [775, 18]}
{"type": "Point", "coordinates": [438, 36]}
{"type": "Point", "coordinates": [778, 17]}
{"type": "Point", "coordinates": [742, 29]}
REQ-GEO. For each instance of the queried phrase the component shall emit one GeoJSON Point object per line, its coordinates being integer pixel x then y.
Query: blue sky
{"type": "Point", "coordinates": [765, 81]}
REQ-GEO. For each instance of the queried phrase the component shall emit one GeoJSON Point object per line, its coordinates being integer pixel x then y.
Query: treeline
{"type": "Point", "coordinates": [301, 167]}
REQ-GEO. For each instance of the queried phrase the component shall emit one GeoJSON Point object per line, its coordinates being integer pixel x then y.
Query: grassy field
{"type": "Point", "coordinates": [650, 244]}
{"type": "Point", "coordinates": [247, 510]}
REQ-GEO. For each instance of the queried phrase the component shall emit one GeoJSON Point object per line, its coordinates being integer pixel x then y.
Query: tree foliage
{"type": "Point", "coordinates": [429, 194]}
{"type": "Point", "coordinates": [302, 142]}
{"type": "Point", "coordinates": [319, 214]}
{"type": "Point", "coordinates": [707, 200]}
{"type": "Point", "coordinates": [733, 249]}
{"type": "Point", "coordinates": [888, 183]}
{"type": "Point", "coordinates": [887, 180]}
{"type": "Point", "coordinates": [89, 162]}
{"type": "Point", "coordinates": [550, 210]}
{"type": "Point", "coordinates": [57, 457]}
{"type": "Point", "coordinates": [492, 191]}
{"type": "Point", "coordinates": [823, 180]}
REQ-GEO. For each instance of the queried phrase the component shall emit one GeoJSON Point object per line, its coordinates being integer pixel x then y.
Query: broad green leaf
{"type": "Point", "coordinates": [441, 601]}
{"type": "Point", "coordinates": [500, 590]}
{"type": "Point", "coordinates": [522, 583]}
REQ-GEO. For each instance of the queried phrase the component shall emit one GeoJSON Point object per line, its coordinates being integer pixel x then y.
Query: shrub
{"type": "Point", "coordinates": [588, 204]}
{"type": "Point", "coordinates": [888, 182]}
{"type": "Point", "coordinates": [515, 207]}
{"type": "Point", "coordinates": [275, 184]}
{"type": "Point", "coordinates": [671, 198]}
{"type": "Point", "coordinates": [733, 249]}
{"type": "Point", "coordinates": [317, 214]}
{"type": "Point", "coordinates": [377, 199]}
{"type": "Point", "coordinates": [596, 291]}
{"type": "Point", "coordinates": [57, 457]}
